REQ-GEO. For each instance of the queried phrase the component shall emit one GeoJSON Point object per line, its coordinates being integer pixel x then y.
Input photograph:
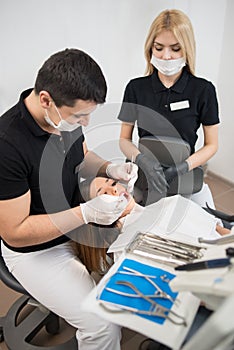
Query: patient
{"type": "Point", "coordinates": [92, 241]}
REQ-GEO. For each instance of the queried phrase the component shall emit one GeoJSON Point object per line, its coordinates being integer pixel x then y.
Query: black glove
{"type": "Point", "coordinates": [153, 172]}
{"type": "Point", "coordinates": [176, 170]}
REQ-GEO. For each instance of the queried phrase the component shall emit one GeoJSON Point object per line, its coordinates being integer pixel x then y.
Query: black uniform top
{"type": "Point", "coordinates": [33, 159]}
{"type": "Point", "coordinates": [176, 111]}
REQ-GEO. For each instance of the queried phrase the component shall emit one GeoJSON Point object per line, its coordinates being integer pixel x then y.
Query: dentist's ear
{"type": "Point", "coordinates": [45, 99]}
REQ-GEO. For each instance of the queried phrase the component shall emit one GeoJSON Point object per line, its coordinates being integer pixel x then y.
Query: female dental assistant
{"type": "Point", "coordinates": [179, 102]}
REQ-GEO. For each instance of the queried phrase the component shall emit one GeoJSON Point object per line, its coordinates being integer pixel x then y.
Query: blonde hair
{"type": "Point", "coordinates": [179, 24]}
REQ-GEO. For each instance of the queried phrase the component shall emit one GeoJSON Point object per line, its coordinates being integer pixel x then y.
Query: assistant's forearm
{"type": "Point", "coordinates": [36, 229]}
{"type": "Point", "coordinates": [128, 149]}
{"type": "Point", "coordinates": [201, 156]}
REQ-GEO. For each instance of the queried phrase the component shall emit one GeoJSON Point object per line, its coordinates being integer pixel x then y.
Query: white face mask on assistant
{"type": "Point", "coordinates": [63, 125]}
{"type": "Point", "coordinates": [168, 67]}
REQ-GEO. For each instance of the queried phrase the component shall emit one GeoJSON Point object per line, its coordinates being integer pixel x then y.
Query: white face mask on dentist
{"type": "Point", "coordinates": [168, 67]}
{"type": "Point", "coordinates": [63, 125]}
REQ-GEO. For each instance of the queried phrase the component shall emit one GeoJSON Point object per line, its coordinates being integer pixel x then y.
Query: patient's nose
{"type": "Point", "coordinates": [112, 190]}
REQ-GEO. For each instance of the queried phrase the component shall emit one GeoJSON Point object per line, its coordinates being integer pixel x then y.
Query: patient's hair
{"type": "Point", "coordinates": [90, 242]}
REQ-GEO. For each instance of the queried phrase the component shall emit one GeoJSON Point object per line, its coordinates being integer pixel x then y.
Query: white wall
{"type": "Point", "coordinates": [222, 164]}
{"type": "Point", "coordinates": [113, 32]}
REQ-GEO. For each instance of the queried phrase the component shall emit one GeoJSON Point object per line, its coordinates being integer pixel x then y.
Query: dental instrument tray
{"type": "Point", "coordinates": [137, 295]}
{"type": "Point", "coordinates": [142, 290]}
{"type": "Point", "coordinates": [164, 250]}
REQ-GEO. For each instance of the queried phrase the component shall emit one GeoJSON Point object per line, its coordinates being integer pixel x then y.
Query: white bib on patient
{"type": "Point", "coordinates": [175, 216]}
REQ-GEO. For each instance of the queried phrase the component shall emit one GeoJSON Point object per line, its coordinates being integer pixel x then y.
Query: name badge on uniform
{"type": "Point", "coordinates": [179, 105]}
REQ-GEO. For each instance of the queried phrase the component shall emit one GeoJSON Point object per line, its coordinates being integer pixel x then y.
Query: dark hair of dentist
{"type": "Point", "coordinates": [177, 102]}
{"type": "Point", "coordinates": [42, 154]}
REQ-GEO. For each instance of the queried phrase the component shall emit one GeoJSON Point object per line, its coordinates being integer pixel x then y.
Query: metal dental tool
{"type": "Point", "coordinates": [158, 310]}
{"type": "Point", "coordinates": [112, 290]}
{"type": "Point", "coordinates": [129, 289]}
{"type": "Point", "coordinates": [219, 241]}
{"type": "Point", "coordinates": [164, 250]}
{"type": "Point", "coordinates": [159, 291]}
{"type": "Point", "coordinates": [167, 260]}
{"type": "Point", "coordinates": [175, 251]}
{"type": "Point", "coordinates": [165, 278]}
{"type": "Point", "coordinates": [189, 249]}
{"type": "Point", "coordinates": [129, 190]}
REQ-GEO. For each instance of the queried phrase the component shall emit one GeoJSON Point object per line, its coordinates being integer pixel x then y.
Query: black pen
{"type": "Point", "coordinates": [207, 264]}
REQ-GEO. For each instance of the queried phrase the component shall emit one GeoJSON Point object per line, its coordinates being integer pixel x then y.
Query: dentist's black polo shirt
{"type": "Point", "coordinates": [33, 159]}
{"type": "Point", "coordinates": [176, 111]}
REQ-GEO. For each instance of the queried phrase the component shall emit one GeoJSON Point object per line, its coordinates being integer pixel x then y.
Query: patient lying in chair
{"type": "Point", "coordinates": [172, 213]}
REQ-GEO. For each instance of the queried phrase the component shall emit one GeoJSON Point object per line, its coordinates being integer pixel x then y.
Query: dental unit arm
{"type": "Point", "coordinates": [215, 287]}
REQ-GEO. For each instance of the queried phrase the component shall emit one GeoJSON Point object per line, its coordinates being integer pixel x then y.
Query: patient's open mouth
{"type": "Point", "coordinates": [125, 194]}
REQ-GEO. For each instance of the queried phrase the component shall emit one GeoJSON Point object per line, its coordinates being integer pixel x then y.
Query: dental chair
{"type": "Point", "coordinates": [228, 220]}
{"type": "Point", "coordinates": [19, 334]}
{"type": "Point", "coordinates": [168, 151]}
